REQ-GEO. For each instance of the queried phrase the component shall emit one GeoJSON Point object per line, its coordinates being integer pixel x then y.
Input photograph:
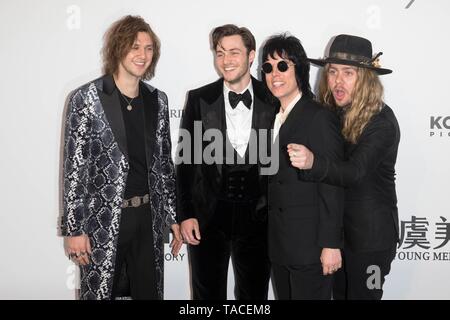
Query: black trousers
{"type": "Point", "coordinates": [363, 274]}
{"type": "Point", "coordinates": [135, 272]}
{"type": "Point", "coordinates": [301, 282]}
{"type": "Point", "coordinates": [234, 233]}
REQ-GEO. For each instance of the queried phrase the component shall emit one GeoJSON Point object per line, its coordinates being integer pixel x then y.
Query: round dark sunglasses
{"type": "Point", "coordinates": [282, 66]}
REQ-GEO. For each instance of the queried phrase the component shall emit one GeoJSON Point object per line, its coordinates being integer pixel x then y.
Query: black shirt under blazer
{"type": "Point", "coordinates": [305, 217]}
{"type": "Point", "coordinates": [199, 185]}
{"type": "Point", "coordinates": [371, 215]}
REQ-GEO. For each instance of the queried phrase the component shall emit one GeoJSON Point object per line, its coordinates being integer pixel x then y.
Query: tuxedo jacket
{"type": "Point", "coordinates": [371, 215]}
{"type": "Point", "coordinates": [305, 217]}
{"type": "Point", "coordinates": [96, 165]}
{"type": "Point", "coordinates": [199, 184]}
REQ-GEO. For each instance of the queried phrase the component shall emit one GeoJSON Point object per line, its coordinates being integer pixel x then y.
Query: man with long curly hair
{"type": "Point", "coordinates": [350, 85]}
{"type": "Point", "coordinates": [119, 181]}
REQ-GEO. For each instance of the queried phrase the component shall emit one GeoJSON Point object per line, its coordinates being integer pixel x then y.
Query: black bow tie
{"type": "Point", "coordinates": [245, 97]}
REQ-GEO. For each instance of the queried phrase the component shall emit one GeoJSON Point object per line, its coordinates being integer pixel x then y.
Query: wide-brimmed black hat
{"type": "Point", "coordinates": [353, 51]}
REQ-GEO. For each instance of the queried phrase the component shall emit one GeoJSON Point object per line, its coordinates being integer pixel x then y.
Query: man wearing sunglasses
{"type": "Point", "coordinates": [305, 219]}
{"type": "Point", "coordinates": [222, 205]}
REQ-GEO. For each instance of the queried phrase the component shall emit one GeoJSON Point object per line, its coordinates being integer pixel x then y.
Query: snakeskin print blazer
{"type": "Point", "coordinates": [95, 173]}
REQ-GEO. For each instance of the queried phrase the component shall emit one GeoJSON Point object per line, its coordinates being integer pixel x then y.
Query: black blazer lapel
{"type": "Point", "coordinates": [213, 114]}
{"type": "Point", "coordinates": [260, 120]}
{"type": "Point", "coordinates": [294, 122]}
{"type": "Point", "coordinates": [212, 110]}
{"type": "Point", "coordinates": [151, 107]}
{"type": "Point", "coordinates": [258, 114]}
{"type": "Point", "coordinates": [109, 98]}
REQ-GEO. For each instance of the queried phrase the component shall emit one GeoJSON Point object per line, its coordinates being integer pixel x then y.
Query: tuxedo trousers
{"type": "Point", "coordinates": [135, 272]}
{"type": "Point", "coordinates": [233, 232]}
{"type": "Point", "coordinates": [301, 282]}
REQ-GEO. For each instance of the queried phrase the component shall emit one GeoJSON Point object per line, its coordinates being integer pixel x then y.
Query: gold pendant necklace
{"type": "Point", "coordinates": [129, 106]}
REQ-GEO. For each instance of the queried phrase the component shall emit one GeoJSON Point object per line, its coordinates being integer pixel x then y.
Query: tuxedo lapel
{"type": "Point", "coordinates": [109, 98]}
{"type": "Point", "coordinates": [294, 122]}
{"type": "Point", "coordinates": [213, 115]}
{"type": "Point", "coordinates": [263, 114]}
{"type": "Point", "coordinates": [212, 109]}
{"type": "Point", "coordinates": [151, 108]}
{"type": "Point", "coordinates": [264, 110]}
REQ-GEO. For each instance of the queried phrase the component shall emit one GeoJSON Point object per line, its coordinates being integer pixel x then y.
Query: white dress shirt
{"type": "Point", "coordinates": [239, 121]}
{"type": "Point", "coordinates": [281, 116]}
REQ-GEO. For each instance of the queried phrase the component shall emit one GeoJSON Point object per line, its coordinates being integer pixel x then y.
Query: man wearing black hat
{"type": "Point", "coordinates": [222, 203]}
{"type": "Point", "coordinates": [350, 85]}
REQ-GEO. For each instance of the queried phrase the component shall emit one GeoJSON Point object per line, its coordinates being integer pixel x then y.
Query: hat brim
{"type": "Point", "coordinates": [323, 62]}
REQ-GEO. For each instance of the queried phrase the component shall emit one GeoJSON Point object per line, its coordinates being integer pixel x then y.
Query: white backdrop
{"type": "Point", "coordinates": [48, 48]}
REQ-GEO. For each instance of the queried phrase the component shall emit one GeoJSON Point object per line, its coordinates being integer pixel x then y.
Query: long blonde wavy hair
{"type": "Point", "coordinates": [367, 101]}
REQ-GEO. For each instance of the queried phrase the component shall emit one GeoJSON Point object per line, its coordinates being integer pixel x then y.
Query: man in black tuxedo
{"type": "Point", "coordinates": [305, 219]}
{"type": "Point", "coordinates": [222, 203]}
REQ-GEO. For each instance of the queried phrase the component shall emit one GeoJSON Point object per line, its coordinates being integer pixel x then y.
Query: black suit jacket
{"type": "Point", "coordinates": [305, 217]}
{"type": "Point", "coordinates": [371, 216]}
{"type": "Point", "coordinates": [198, 185]}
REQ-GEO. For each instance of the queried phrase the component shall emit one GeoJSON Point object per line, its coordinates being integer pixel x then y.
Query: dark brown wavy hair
{"type": "Point", "coordinates": [231, 30]}
{"type": "Point", "coordinates": [119, 39]}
